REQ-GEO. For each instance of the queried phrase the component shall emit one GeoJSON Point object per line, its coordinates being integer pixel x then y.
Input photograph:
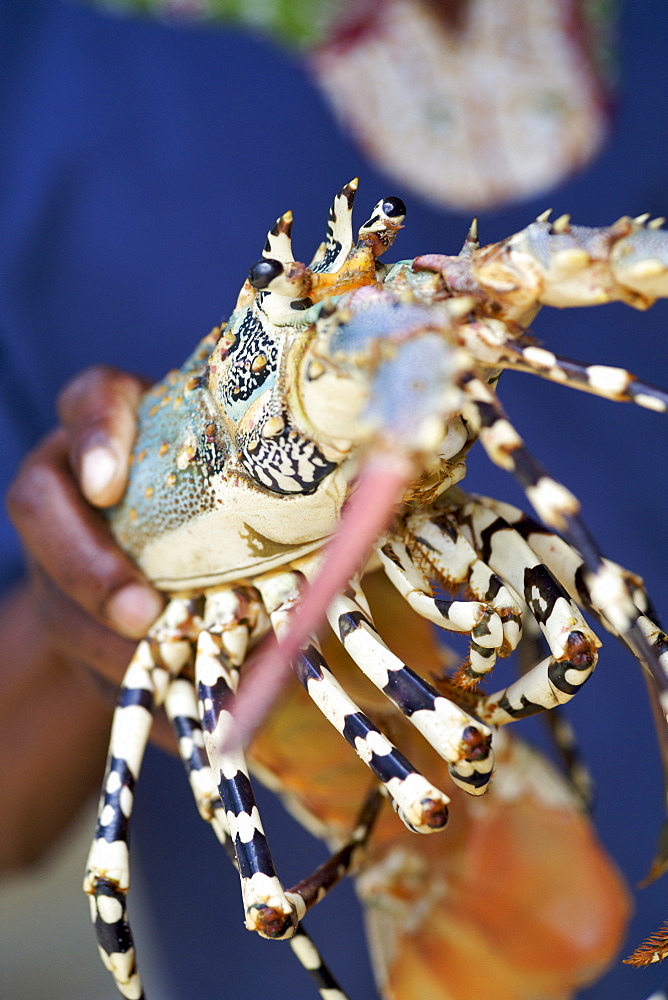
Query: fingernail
{"type": "Point", "coordinates": [99, 465]}
{"type": "Point", "coordinates": [133, 609]}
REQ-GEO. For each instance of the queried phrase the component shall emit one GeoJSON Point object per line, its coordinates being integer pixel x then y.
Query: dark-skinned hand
{"type": "Point", "coordinates": [69, 632]}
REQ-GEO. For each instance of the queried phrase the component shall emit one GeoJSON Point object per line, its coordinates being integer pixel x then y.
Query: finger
{"type": "Point", "coordinates": [89, 648]}
{"type": "Point", "coordinates": [79, 638]}
{"type": "Point", "coordinates": [73, 546]}
{"type": "Point", "coordinates": [98, 409]}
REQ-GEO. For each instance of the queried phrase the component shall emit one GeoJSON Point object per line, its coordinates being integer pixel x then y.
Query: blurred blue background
{"type": "Point", "coordinates": [140, 168]}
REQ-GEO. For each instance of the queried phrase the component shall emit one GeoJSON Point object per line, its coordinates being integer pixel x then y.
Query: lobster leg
{"type": "Point", "coordinates": [230, 617]}
{"type": "Point", "coordinates": [477, 619]}
{"type": "Point", "coordinates": [452, 559]}
{"type": "Point", "coordinates": [310, 959]}
{"type": "Point", "coordinates": [161, 655]}
{"type": "Point", "coordinates": [315, 886]}
{"type": "Point", "coordinates": [459, 738]}
{"type": "Point", "coordinates": [567, 564]}
{"type": "Point", "coordinates": [421, 806]}
{"type": "Point", "coordinates": [560, 509]}
{"type": "Point", "coordinates": [531, 651]}
{"type": "Point", "coordinates": [572, 644]}
{"type": "Point", "coordinates": [181, 707]}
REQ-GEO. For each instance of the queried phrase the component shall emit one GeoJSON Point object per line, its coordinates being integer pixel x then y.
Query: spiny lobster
{"type": "Point", "coordinates": [349, 392]}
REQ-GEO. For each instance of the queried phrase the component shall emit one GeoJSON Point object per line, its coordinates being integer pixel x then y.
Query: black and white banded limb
{"type": "Point", "coordinates": [606, 381]}
{"type": "Point", "coordinates": [533, 649]}
{"type": "Point", "coordinates": [572, 644]}
{"type": "Point", "coordinates": [421, 806]}
{"type": "Point", "coordinates": [454, 734]}
{"type": "Point", "coordinates": [559, 509]}
{"type": "Point", "coordinates": [434, 547]}
{"type": "Point", "coordinates": [567, 565]}
{"type": "Point", "coordinates": [181, 707]}
{"type": "Point", "coordinates": [230, 617]}
{"type": "Point", "coordinates": [161, 656]}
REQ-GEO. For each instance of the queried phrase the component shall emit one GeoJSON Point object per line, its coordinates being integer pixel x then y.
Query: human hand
{"type": "Point", "coordinates": [91, 596]}
{"type": "Point", "coordinates": [66, 635]}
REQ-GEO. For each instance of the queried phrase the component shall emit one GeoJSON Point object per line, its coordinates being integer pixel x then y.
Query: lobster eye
{"type": "Point", "coordinates": [264, 272]}
{"type": "Point", "coordinates": [394, 207]}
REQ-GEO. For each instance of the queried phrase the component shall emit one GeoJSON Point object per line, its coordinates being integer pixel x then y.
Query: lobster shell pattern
{"type": "Point", "coordinates": [349, 392]}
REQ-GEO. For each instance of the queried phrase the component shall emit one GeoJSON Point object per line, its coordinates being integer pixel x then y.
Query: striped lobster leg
{"type": "Point", "coordinates": [456, 736]}
{"type": "Point", "coordinates": [572, 644]}
{"type": "Point", "coordinates": [313, 888]}
{"type": "Point", "coordinates": [451, 559]}
{"type": "Point", "coordinates": [421, 806]}
{"type": "Point", "coordinates": [231, 617]}
{"type": "Point", "coordinates": [160, 656]}
{"type": "Point", "coordinates": [181, 707]}
{"type": "Point", "coordinates": [566, 563]}
{"type": "Point", "coordinates": [479, 620]}
{"type": "Point", "coordinates": [531, 651]}
{"type": "Point", "coordinates": [560, 510]}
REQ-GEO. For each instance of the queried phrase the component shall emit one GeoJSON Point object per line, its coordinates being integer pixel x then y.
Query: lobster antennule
{"type": "Point", "coordinates": [338, 242]}
{"type": "Point", "coordinates": [385, 221]}
{"type": "Point", "coordinates": [279, 240]}
{"type": "Point", "coordinates": [381, 485]}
